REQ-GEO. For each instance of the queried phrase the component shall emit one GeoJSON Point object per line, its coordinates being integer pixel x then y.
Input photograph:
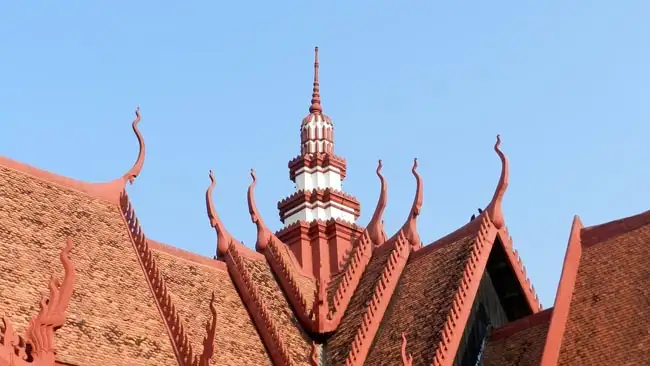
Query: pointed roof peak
{"type": "Point", "coordinates": [315, 96]}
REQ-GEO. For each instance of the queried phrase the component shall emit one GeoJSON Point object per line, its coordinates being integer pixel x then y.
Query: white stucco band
{"type": "Point", "coordinates": [318, 179]}
{"type": "Point", "coordinates": [308, 213]}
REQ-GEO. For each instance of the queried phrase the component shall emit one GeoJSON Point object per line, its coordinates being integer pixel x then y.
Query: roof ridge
{"type": "Point", "coordinates": [352, 272]}
{"type": "Point", "coordinates": [106, 191]}
{"type": "Point", "coordinates": [382, 293]}
{"type": "Point", "coordinates": [520, 271]}
{"type": "Point", "coordinates": [595, 234]}
{"type": "Point", "coordinates": [565, 288]}
{"type": "Point", "coordinates": [155, 280]}
{"type": "Point", "coordinates": [520, 324]}
{"type": "Point", "coordinates": [461, 306]}
{"type": "Point", "coordinates": [186, 255]}
{"type": "Point", "coordinates": [257, 307]}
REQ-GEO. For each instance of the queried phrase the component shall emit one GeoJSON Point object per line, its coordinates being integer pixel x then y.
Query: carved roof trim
{"type": "Point", "coordinates": [461, 307]}
{"type": "Point", "coordinates": [156, 282]}
{"type": "Point", "coordinates": [40, 331]}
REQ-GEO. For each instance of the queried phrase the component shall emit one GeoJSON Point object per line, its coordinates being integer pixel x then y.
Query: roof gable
{"type": "Point", "coordinates": [609, 298]}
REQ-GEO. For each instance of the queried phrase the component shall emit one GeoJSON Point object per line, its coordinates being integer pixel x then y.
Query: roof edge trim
{"type": "Point", "coordinates": [551, 351]}
{"type": "Point", "coordinates": [519, 269]}
{"type": "Point", "coordinates": [257, 308]}
{"type": "Point", "coordinates": [156, 282]}
{"type": "Point", "coordinates": [353, 270]}
{"type": "Point", "coordinates": [381, 295]}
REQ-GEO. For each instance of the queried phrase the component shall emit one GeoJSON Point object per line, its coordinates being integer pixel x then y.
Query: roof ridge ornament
{"type": "Point", "coordinates": [38, 343]}
{"type": "Point", "coordinates": [410, 226]}
{"type": "Point", "coordinates": [376, 225]}
{"type": "Point", "coordinates": [139, 162]}
{"type": "Point", "coordinates": [223, 236]}
{"type": "Point", "coordinates": [494, 208]}
{"type": "Point", "coordinates": [315, 96]}
{"type": "Point", "coordinates": [263, 232]}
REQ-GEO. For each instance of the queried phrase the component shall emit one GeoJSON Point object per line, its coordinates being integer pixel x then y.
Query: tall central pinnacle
{"type": "Point", "coordinates": [319, 217]}
{"type": "Point", "coordinates": [315, 96]}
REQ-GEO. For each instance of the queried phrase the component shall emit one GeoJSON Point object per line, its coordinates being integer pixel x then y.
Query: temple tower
{"type": "Point", "coordinates": [319, 217]}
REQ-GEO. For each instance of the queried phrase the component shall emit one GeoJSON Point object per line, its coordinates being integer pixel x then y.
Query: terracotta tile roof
{"type": "Point", "coordinates": [422, 302]}
{"type": "Point", "coordinates": [291, 331]}
{"type": "Point", "coordinates": [607, 321]}
{"type": "Point", "coordinates": [191, 279]}
{"type": "Point", "coordinates": [518, 343]}
{"type": "Point", "coordinates": [112, 314]}
{"type": "Point", "coordinates": [338, 347]}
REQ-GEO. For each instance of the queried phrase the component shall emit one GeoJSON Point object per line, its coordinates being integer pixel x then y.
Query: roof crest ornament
{"type": "Point", "coordinates": [223, 236]}
{"type": "Point", "coordinates": [494, 208]}
{"type": "Point", "coordinates": [40, 332]}
{"type": "Point", "coordinates": [410, 226]}
{"type": "Point", "coordinates": [376, 225]}
{"type": "Point", "coordinates": [139, 162]}
{"type": "Point", "coordinates": [315, 96]}
{"type": "Point", "coordinates": [264, 235]}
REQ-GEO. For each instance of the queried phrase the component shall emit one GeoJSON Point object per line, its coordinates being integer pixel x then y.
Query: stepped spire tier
{"type": "Point", "coordinates": [319, 217]}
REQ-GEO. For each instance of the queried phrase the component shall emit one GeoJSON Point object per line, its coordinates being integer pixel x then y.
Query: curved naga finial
{"type": "Point", "coordinates": [223, 237]}
{"type": "Point", "coordinates": [40, 332]}
{"type": "Point", "coordinates": [410, 226]}
{"type": "Point", "coordinates": [263, 233]}
{"type": "Point", "coordinates": [376, 225]}
{"type": "Point", "coordinates": [494, 209]}
{"type": "Point", "coordinates": [139, 163]}
{"type": "Point", "coordinates": [406, 360]}
{"type": "Point", "coordinates": [208, 340]}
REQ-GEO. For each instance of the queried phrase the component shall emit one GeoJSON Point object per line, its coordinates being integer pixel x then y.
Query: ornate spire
{"type": "Point", "coordinates": [315, 96]}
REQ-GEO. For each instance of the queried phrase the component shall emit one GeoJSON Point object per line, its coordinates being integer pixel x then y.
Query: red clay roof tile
{"type": "Point", "coordinates": [112, 315]}
{"type": "Point", "coordinates": [421, 303]}
{"type": "Point", "coordinates": [518, 343]}
{"type": "Point", "coordinates": [607, 322]}
{"type": "Point", "coordinates": [191, 282]}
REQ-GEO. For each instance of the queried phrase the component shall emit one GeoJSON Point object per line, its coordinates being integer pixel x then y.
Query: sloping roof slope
{"type": "Point", "coordinates": [607, 322]}
{"type": "Point", "coordinates": [421, 303]}
{"type": "Point", "coordinates": [191, 280]}
{"type": "Point", "coordinates": [112, 314]}
{"type": "Point", "coordinates": [519, 343]}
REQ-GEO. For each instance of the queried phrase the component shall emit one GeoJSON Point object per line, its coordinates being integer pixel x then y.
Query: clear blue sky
{"type": "Point", "coordinates": [224, 85]}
